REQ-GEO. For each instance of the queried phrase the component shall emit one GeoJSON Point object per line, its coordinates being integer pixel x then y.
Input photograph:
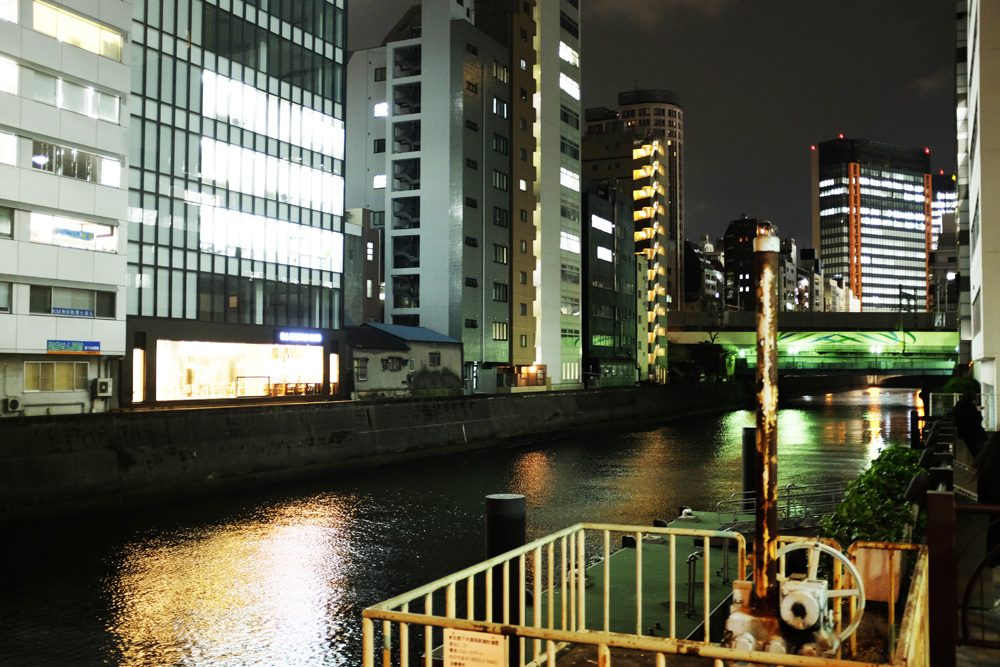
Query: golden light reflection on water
{"type": "Point", "coordinates": [876, 441]}
{"type": "Point", "coordinates": [533, 477]}
{"type": "Point", "coordinates": [265, 589]}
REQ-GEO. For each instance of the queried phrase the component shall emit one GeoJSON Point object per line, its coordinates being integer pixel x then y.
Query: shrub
{"type": "Point", "coordinates": [959, 385]}
{"type": "Point", "coordinates": [874, 507]}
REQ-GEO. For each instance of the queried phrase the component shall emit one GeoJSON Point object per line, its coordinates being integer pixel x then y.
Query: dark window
{"type": "Point", "coordinates": [524, 340]}
{"type": "Point", "coordinates": [471, 324]}
{"type": "Point", "coordinates": [523, 278]}
{"type": "Point", "coordinates": [524, 246]}
{"type": "Point", "coordinates": [472, 125]}
{"type": "Point", "coordinates": [472, 202]}
{"type": "Point", "coordinates": [380, 74]}
{"type": "Point", "coordinates": [500, 292]}
{"type": "Point", "coordinates": [472, 87]}
{"type": "Point", "coordinates": [524, 94]}
{"type": "Point", "coordinates": [433, 358]}
{"type": "Point", "coordinates": [569, 116]}
{"type": "Point", "coordinates": [379, 145]}
{"type": "Point", "coordinates": [500, 144]}
{"type": "Point", "coordinates": [105, 304]}
{"type": "Point", "coordinates": [472, 241]}
{"type": "Point", "coordinates": [471, 48]}
{"type": "Point", "coordinates": [40, 300]}
{"type": "Point", "coordinates": [527, 7]}
{"type": "Point", "coordinates": [523, 124]}
{"type": "Point", "coordinates": [500, 180]}
{"type": "Point", "coordinates": [524, 309]}
{"type": "Point", "coordinates": [501, 217]}
{"type": "Point", "coordinates": [570, 148]}
{"type": "Point", "coordinates": [524, 215]}
{"type": "Point", "coordinates": [360, 369]}
{"type": "Point", "coordinates": [524, 35]}
{"type": "Point", "coordinates": [471, 164]}
{"type": "Point", "coordinates": [471, 282]}
{"type": "Point", "coordinates": [569, 25]}
{"type": "Point", "coordinates": [6, 222]}
{"type": "Point", "coordinates": [524, 154]}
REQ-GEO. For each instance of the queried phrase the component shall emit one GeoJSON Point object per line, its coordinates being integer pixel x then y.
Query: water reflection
{"type": "Point", "coordinates": [272, 587]}
{"type": "Point", "coordinates": [279, 576]}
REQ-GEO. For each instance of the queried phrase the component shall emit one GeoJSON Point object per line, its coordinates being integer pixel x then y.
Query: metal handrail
{"type": "Point", "coordinates": [744, 503]}
{"type": "Point", "coordinates": [912, 648]}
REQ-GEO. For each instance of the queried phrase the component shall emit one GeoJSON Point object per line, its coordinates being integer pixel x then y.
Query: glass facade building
{"type": "Point", "coordinates": [236, 196]}
{"type": "Point", "coordinates": [872, 220]}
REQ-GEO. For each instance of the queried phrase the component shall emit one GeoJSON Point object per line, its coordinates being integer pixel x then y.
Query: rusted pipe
{"type": "Point", "coordinates": [766, 248]}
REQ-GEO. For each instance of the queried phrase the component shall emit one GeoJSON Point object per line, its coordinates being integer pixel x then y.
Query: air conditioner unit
{"type": "Point", "coordinates": [13, 404]}
{"type": "Point", "coordinates": [103, 387]}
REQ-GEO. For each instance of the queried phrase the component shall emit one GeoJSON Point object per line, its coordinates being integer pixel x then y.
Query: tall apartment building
{"type": "Point", "coordinates": [979, 166]}
{"type": "Point", "coordinates": [741, 267]}
{"type": "Point", "coordinates": [872, 219]}
{"type": "Point", "coordinates": [236, 200]}
{"type": "Point", "coordinates": [608, 310]}
{"type": "Point", "coordinates": [557, 163]}
{"type": "Point", "coordinates": [633, 159]}
{"type": "Point", "coordinates": [64, 159]}
{"type": "Point", "coordinates": [465, 251]}
{"type": "Point", "coordinates": [657, 114]}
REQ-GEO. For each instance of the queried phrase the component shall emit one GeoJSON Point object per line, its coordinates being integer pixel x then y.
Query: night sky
{"type": "Point", "coordinates": [761, 80]}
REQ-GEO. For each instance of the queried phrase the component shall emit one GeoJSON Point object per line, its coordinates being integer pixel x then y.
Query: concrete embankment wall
{"type": "Point", "coordinates": [798, 386]}
{"type": "Point", "coordinates": [51, 465]}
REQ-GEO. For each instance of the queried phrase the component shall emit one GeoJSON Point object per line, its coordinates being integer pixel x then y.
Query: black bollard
{"type": "Point", "coordinates": [749, 468]}
{"type": "Point", "coordinates": [914, 430]}
{"type": "Point", "coordinates": [505, 530]}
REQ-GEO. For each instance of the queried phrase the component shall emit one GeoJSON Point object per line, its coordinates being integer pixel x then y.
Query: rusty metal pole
{"type": "Point", "coordinates": [766, 247]}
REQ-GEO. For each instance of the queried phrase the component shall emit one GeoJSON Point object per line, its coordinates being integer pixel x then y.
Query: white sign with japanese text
{"type": "Point", "coordinates": [474, 649]}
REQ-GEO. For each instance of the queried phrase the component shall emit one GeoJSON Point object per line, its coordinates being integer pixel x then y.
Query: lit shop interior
{"type": "Point", "coordinates": [193, 370]}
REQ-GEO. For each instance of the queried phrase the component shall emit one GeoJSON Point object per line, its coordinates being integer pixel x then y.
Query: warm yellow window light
{"type": "Point", "coordinates": [79, 32]}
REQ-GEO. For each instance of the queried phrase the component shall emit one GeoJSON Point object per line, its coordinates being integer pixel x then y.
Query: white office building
{"type": "Point", "coordinates": [557, 188]}
{"type": "Point", "coordinates": [979, 178]}
{"type": "Point", "coordinates": [64, 137]}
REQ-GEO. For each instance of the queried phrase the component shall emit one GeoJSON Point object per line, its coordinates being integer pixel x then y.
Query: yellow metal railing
{"type": "Point", "coordinates": [557, 564]}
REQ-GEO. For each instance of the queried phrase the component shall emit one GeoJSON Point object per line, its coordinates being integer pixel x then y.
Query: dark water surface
{"type": "Point", "coordinates": [279, 576]}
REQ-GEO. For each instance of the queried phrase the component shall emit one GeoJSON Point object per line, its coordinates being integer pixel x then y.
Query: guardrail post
{"type": "Point", "coordinates": [750, 476]}
{"type": "Point", "coordinates": [942, 577]}
{"type": "Point", "coordinates": [506, 521]}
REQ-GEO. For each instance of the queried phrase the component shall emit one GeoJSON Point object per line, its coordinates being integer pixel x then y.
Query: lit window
{"type": "Point", "coordinates": [524, 64]}
{"type": "Point", "coordinates": [381, 109]}
{"type": "Point", "coordinates": [63, 161]}
{"type": "Point", "coordinates": [570, 242]}
{"type": "Point", "coordinates": [70, 233]}
{"type": "Point", "coordinates": [605, 254]}
{"type": "Point", "coordinates": [568, 54]}
{"type": "Point", "coordinates": [571, 87]}
{"type": "Point", "coordinates": [56, 376]}
{"type": "Point", "coordinates": [379, 182]}
{"type": "Point", "coordinates": [569, 179]}
{"type": "Point", "coordinates": [8, 73]}
{"type": "Point", "coordinates": [79, 32]}
{"type": "Point", "coordinates": [8, 10]}
{"type": "Point", "coordinates": [600, 223]}
{"type": "Point", "coordinates": [8, 149]}
{"type": "Point", "coordinates": [523, 185]}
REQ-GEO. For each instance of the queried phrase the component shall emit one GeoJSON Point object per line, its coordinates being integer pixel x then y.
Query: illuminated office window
{"type": "Point", "coordinates": [79, 32]}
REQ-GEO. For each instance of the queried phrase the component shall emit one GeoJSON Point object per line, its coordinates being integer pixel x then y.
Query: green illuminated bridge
{"type": "Point", "coordinates": [832, 343]}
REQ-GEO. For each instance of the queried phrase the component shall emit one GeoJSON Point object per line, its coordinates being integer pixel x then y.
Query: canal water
{"type": "Point", "coordinates": [279, 576]}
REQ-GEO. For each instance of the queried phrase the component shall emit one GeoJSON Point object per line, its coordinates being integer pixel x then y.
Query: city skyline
{"type": "Point", "coordinates": [758, 162]}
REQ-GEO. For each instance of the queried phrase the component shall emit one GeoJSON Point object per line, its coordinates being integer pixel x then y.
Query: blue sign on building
{"type": "Point", "coordinates": [73, 347]}
{"type": "Point", "coordinates": [75, 312]}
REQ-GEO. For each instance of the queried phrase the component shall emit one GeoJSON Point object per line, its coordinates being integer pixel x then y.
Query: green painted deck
{"type": "Point", "coordinates": [655, 585]}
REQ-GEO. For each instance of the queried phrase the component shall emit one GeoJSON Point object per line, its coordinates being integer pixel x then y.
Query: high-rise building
{"type": "Point", "coordinates": [557, 188]}
{"type": "Point", "coordinates": [64, 178]}
{"type": "Point", "coordinates": [236, 200]}
{"type": "Point", "coordinates": [442, 84]}
{"type": "Point", "coordinates": [656, 114]}
{"type": "Point", "coordinates": [979, 167]}
{"type": "Point", "coordinates": [945, 190]}
{"type": "Point", "coordinates": [741, 266]}
{"type": "Point", "coordinates": [872, 219]}
{"type": "Point", "coordinates": [608, 308]}
{"type": "Point", "coordinates": [465, 251]}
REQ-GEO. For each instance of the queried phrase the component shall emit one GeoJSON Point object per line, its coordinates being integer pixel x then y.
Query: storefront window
{"type": "Point", "coordinates": [193, 370]}
{"type": "Point", "coordinates": [138, 375]}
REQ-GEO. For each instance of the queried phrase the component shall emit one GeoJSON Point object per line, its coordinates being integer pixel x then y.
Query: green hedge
{"type": "Point", "coordinates": [874, 507]}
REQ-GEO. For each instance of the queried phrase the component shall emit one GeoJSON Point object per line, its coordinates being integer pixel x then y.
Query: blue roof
{"type": "Point", "coordinates": [413, 334]}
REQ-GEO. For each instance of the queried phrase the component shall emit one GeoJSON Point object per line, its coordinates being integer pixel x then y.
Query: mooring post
{"type": "Point", "coordinates": [766, 248]}
{"type": "Point", "coordinates": [750, 475]}
{"type": "Point", "coordinates": [506, 521]}
{"type": "Point", "coordinates": [914, 429]}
